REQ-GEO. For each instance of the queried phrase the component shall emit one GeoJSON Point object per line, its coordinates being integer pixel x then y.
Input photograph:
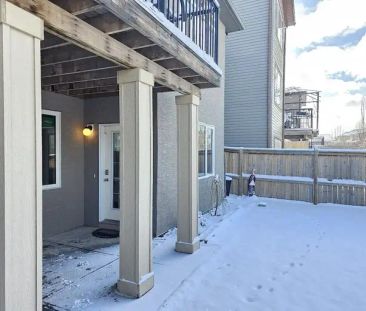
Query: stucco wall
{"type": "Point", "coordinates": [211, 111]}
{"type": "Point", "coordinates": [63, 208]}
{"type": "Point", "coordinates": [104, 110]}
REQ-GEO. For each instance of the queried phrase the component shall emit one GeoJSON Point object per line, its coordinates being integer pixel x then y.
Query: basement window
{"type": "Point", "coordinates": [206, 150]}
{"type": "Point", "coordinates": [51, 149]}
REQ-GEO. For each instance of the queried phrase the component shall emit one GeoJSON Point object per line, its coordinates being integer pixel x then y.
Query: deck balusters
{"type": "Point", "coordinates": [197, 19]}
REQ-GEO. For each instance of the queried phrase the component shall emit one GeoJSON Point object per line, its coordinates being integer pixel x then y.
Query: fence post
{"type": "Point", "coordinates": [240, 173]}
{"type": "Point", "coordinates": [315, 175]}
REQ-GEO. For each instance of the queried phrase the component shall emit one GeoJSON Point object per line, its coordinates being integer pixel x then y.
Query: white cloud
{"type": "Point", "coordinates": [331, 18]}
{"type": "Point", "coordinates": [311, 69]}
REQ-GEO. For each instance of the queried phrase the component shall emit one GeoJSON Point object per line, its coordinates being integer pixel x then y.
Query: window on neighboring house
{"type": "Point", "coordinates": [277, 86]}
{"type": "Point", "coordinates": [279, 24]}
{"type": "Point", "coordinates": [51, 149]}
{"type": "Point", "coordinates": [206, 150]}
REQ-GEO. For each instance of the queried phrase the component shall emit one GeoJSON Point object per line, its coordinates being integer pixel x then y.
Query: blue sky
{"type": "Point", "coordinates": [310, 5]}
{"type": "Point", "coordinates": [326, 50]}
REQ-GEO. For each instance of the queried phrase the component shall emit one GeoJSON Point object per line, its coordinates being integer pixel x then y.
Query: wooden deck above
{"type": "Point", "coordinates": [88, 41]}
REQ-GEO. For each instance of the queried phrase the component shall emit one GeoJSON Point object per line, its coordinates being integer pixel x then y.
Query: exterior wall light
{"type": "Point", "coordinates": [88, 130]}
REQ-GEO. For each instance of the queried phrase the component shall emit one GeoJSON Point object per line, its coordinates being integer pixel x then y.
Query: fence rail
{"type": "Point", "coordinates": [311, 175]}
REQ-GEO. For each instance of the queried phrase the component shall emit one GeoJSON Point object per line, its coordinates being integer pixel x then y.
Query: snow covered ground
{"type": "Point", "coordinates": [286, 255]}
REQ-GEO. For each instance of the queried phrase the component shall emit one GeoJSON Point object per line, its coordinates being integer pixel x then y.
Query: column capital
{"type": "Point", "coordinates": [21, 20]}
{"type": "Point", "coordinates": [135, 75]}
{"type": "Point", "coordinates": [187, 100]}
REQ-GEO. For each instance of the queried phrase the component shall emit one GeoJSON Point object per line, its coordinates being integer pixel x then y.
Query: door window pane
{"type": "Point", "coordinates": [202, 150]}
{"type": "Point", "coordinates": [116, 151]}
{"type": "Point", "coordinates": [206, 149]}
{"type": "Point", "coordinates": [49, 150]}
{"type": "Point", "coordinates": [209, 150]}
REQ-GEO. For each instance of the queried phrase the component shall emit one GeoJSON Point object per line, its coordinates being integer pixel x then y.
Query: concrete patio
{"type": "Point", "coordinates": [80, 271]}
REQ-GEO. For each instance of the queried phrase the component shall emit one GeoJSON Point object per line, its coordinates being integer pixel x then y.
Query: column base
{"type": "Point", "coordinates": [188, 248]}
{"type": "Point", "coordinates": [136, 290]}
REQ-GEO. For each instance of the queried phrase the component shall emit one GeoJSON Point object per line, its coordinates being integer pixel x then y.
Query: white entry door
{"type": "Point", "coordinates": [109, 151]}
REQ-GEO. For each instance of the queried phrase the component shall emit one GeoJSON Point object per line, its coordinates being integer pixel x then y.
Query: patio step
{"type": "Point", "coordinates": [109, 224]}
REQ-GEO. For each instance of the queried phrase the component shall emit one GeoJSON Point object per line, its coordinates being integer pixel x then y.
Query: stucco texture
{"type": "Point", "coordinates": [211, 111]}
{"type": "Point", "coordinates": [63, 208]}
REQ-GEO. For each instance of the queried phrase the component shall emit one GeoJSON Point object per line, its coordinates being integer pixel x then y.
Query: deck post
{"type": "Point", "coordinates": [135, 102]}
{"type": "Point", "coordinates": [20, 160]}
{"type": "Point", "coordinates": [187, 175]}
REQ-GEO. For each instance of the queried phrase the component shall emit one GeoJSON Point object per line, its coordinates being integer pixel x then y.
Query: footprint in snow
{"type": "Point", "coordinates": [271, 290]}
{"type": "Point", "coordinates": [259, 287]}
{"type": "Point", "coordinates": [292, 265]}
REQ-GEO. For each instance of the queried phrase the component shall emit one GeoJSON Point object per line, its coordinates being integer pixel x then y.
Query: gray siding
{"type": "Point", "coordinates": [246, 93]}
{"type": "Point", "coordinates": [63, 208]}
{"type": "Point", "coordinates": [278, 60]}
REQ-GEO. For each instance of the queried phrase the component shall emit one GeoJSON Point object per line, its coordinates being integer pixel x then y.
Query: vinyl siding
{"type": "Point", "coordinates": [246, 88]}
{"type": "Point", "coordinates": [278, 60]}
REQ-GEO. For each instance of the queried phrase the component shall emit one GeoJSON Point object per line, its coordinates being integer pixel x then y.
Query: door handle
{"type": "Point", "coordinates": [106, 179]}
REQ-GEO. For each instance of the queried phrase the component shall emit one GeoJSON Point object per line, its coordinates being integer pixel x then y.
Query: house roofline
{"type": "Point", "coordinates": [229, 17]}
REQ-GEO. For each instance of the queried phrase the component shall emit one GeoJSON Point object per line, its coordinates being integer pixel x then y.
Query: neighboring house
{"type": "Point", "coordinates": [255, 71]}
{"type": "Point", "coordinates": [351, 139]}
{"type": "Point", "coordinates": [301, 115]}
{"type": "Point", "coordinates": [139, 84]}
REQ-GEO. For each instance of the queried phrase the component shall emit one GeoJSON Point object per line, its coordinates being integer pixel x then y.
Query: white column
{"type": "Point", "coordinates": [187, 119]}
{"type": "Point", "coordinates": [20, 160]}
{"type": "Point", "coordinates": [136, 276]}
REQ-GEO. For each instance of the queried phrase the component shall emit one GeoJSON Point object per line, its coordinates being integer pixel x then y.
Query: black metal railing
{"type": "Point", "coordinates": [197, 19]}
{"type": "Point", "coordinates": [299, 118]}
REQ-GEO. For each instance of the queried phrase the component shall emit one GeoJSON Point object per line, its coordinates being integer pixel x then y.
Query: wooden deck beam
{"type": "Point", "coordinates": [107, 23]}
{"type": "Point", "coordinates": [103, 73]}
{"type": "Point", "coordinates": [77, 7]}
{"type": "Point", "coordinates": [131, 12]}
{"type": "Point", "coordinates": [80, 66]}
{"type": "Point", "coordinates": [77, 31]}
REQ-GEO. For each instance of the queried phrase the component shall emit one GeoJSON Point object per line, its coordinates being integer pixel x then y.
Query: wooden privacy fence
{"type": "Point", "coordinates": [311, 175]}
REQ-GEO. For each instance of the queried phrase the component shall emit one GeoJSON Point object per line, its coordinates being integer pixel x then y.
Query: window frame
{"type": "Point", "coordinates": [57, 115]}
{"type": "Point", "coordinates": [279, 22]}
{"type": "Point", "coordinates": [280, 76]}
{"type": "Point", "coordinates": [207, 127]}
